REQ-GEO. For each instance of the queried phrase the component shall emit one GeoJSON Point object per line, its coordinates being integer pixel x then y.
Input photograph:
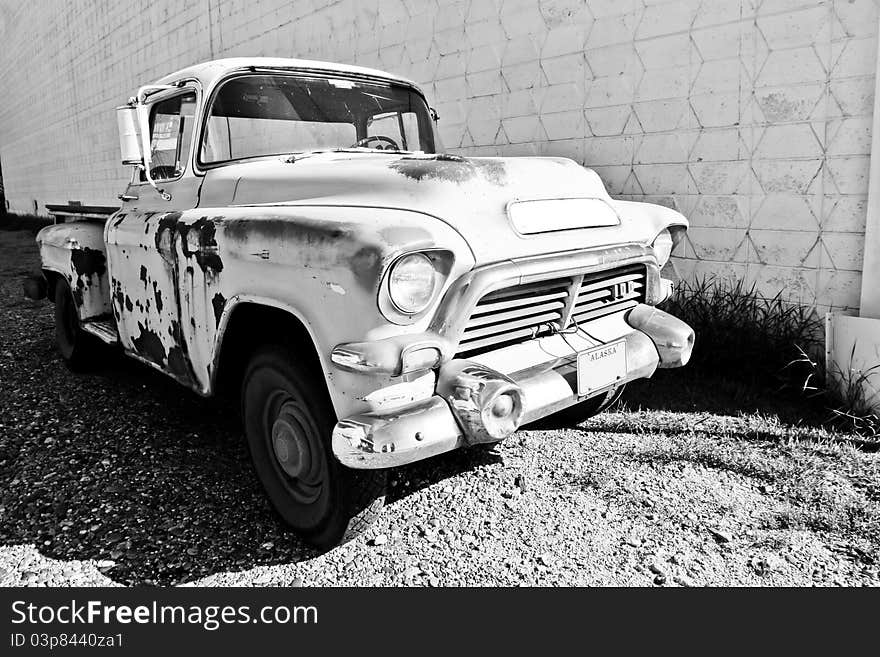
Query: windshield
{"type": "Point", "coordinates": [259, 115]}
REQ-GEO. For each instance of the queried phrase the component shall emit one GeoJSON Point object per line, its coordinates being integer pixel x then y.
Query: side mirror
{"type": "Point", "coordinates": [129, 140]}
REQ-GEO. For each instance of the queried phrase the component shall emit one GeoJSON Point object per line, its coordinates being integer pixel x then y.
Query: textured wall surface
{"type": "Point", "coordinates": [753, 117]}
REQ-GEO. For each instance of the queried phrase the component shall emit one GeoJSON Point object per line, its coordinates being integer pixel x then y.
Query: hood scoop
{"type": "Point", "coordinates": [531, 217]}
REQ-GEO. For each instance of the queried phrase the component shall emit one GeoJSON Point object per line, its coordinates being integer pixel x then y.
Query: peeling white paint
{"type": "Point", "coordinates": [336, 288]}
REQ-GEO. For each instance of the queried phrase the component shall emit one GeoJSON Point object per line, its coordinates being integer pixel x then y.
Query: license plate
{"type": "Point", "coordinates": [601, 367]}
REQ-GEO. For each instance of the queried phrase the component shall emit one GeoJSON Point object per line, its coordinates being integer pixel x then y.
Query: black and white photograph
{"type": "Point", "coordinates": [306, 294]}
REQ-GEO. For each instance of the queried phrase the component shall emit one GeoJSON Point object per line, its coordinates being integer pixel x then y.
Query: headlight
{"type": "Point", "coordinates": [662, 246]}
{"type": "Point", "coordinates": [411, 283]}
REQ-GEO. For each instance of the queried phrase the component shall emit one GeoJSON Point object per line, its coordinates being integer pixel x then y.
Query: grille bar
{"type": "Point", "coordinates": [499, 306]}
{"type": "Point", "coordinates": [495, 340]}
{"type": "Point", "coordinates": [532, 321]}
{"type": "Point", "coordinates": [590, 315]}
{"type": "Point", "coordinates": [585, 297]}
{"type": "Point", "coordinates": [493, 318]}
{"type": "Point", "coordinates": [587, 286]}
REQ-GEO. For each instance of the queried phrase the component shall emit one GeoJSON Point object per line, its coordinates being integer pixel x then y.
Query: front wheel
{"type": "Point", "coordinates": [288, 422]}
{"type": "Point", "coordinates": [574, 415]}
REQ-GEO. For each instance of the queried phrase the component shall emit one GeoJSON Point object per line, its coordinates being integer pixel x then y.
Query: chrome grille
{"type": "Point", "coordinates": [527, 311]}
{"type": "Point", "coordinates": [516, 313]}
{"type": "Point", "coordinates": [606, 293]}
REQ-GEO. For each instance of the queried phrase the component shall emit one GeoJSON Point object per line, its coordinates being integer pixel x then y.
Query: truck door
{"type": "Point", "coordinates": [143, 241]}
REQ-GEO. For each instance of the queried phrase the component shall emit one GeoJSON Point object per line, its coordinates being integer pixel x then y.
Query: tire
{"type": "Point", "coordinates": [76, 347]}
{"type": "Point", "coordinates": [582, 411]}
{"type": "Point", "coordinates": [288, 420]}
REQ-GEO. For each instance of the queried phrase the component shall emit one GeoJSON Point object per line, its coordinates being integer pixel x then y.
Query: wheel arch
{"type": "Point", "coordinates": [52, 277]}
{"type": "Point", "coordinates": [248, 323]}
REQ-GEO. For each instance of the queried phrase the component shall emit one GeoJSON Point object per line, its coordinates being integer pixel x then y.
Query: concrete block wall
{"type": "Point", "coordinates": [752, 117]}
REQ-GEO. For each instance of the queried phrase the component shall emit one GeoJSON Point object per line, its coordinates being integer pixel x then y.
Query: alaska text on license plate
{"type": "Point", "coordinates": [601, 367]}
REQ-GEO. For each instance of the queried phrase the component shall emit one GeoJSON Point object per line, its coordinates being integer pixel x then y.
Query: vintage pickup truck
{"type": "Point", "coordinates": [294, 232]}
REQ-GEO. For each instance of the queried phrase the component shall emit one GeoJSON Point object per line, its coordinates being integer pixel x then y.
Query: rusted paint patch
{"type": "Point", "coordinates": [366, 265]}
{"type": "Point", "coordinates": [157, 294]}
{"type": "Point", "coordinates": [165, 229]}
{"type": "Point", "coordinates": [296, 230]}
{"type": "Point", "coordinates": [318, 245]}
{"type": "Point", "coordinates": [206, 253]}
{"type": "Point", "coordinates": [144, 275]}
{"type": "Point", "coordinates": [87, 262]}
{"type": "Point", "coordinates": [178, 357]}
{"type": "Point", "coordinates": [322, 245]}
{"type": "Point", "coordinates": [118, 297]}
{"type": "Point", "coordinates": [450, 168]}
{"type": "Point", "coordinates": [177, 364]}
{"type": "Point", "coordinates": [219, 303]}
{"type": "Point", "coordinates": [149, 345]}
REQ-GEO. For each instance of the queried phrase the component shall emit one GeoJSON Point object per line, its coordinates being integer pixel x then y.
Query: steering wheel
{"type": "Point", "coordinates": [362, 143]}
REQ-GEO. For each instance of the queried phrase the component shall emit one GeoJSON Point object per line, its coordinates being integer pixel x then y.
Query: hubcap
{"type": "Point", "coordinates": [290, 436]}
{"type": "Point", "coordinates": [290, 449]}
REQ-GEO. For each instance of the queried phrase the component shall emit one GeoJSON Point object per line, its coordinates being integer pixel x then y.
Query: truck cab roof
{"type": "Point", "coordinates": [208, 73]}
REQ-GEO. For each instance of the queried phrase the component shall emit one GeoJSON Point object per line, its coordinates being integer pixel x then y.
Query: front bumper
{"type": "Point", "coordinates": [540, 375]}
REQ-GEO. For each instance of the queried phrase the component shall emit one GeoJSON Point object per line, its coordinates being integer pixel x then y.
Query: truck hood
{"type": "Point", "coordinates": [472, 195]}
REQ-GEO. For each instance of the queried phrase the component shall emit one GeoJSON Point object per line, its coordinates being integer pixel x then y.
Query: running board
{"type": "Point", "coordinates": [104, 330]}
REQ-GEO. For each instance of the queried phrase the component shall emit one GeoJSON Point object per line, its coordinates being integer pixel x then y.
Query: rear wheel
{"type": "Point", "coordinates": [574, 415]}
{"type": "Point", "coordinates": [75, 345]}
{"type": "Point", "coordinates": [288, 421]}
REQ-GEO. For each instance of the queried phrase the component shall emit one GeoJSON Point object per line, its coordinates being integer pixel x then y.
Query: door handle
{"type": "Point", "coordinates": [127, 197]}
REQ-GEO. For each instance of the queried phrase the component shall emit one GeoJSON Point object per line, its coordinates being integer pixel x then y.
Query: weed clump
{"type": "Point", "coordinates": [743, 336]}
{"type": "Point", "coordinates": [771, 344]}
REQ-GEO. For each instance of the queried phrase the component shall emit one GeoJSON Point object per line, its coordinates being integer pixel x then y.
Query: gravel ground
{"type": "Point", "coordinates": [118, 476]}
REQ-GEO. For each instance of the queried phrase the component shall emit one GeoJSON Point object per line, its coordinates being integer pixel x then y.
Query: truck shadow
{"type": "Point", "coordinates": [689, 391]}
{"type": "Point", "coordinates": [705, 400]}
{"type": "Point", "coordinates": [122, 465]}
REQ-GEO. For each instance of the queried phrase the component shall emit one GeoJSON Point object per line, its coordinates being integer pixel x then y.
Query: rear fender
{"type": "Point", "coordinates": [76, 252]}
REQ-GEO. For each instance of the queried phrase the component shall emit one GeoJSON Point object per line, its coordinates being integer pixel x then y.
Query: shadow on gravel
{"type": "Point", "coordinates": [413, 478]}
{"type": "Point", "coordinates": [800, 433]}
{"type": "Point", "coordinates": [786, 413]}
{"type": "Point", "coordinates": [121, 464]}
{"type": "Point", "coordinates": [688, 391]}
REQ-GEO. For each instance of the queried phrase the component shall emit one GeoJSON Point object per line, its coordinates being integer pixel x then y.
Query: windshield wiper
{"type": "Point", "coordinates": [299, 155]}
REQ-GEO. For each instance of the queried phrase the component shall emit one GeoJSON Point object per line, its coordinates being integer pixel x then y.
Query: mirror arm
{"type": "Point", "coordinates": [144, 120]}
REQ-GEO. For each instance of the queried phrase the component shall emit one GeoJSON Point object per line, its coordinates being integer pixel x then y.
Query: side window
{"type": "Point", "coordinates": [171, 129]}
{"type": "Point", "coordinates": [402, 127]}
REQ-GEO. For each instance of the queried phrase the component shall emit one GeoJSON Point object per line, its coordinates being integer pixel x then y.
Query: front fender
{"type": "Point", "coordinates": [325, 266]}
{"type": "Point", "coordinates": [650, 219]}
